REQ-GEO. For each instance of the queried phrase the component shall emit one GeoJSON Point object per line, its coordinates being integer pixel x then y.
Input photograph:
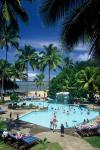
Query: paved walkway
{"type": "Point", "coordinates": [67, 142]}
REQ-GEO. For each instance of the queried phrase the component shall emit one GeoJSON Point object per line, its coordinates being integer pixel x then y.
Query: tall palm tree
{"type": "Point", "coordinates": [10, 10]}
{"type": "Point", "coordinates": [39, 80]}
{"type": "Point", "coordinates": [9, 37]}
{"type": "Point", "coordinates": [81, 21]}
{"type": "Point", "coordinates": [89, 80]}
{"type": "Point", "coordinates": [4, 72]}
{"type": "Point", "coordinates": [28, 57]}
{"type": "Point", "coordinates": [16, 72]}
{"type": "Point", "coordinates": [51, 58]}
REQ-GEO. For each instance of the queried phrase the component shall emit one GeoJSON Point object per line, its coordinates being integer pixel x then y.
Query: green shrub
{"type": "Point", "coordinates": [2, 123]}
{"type": "Point", "coordinates": [31, 105]}
{"type": "Point", "coordinates": [14, 97]}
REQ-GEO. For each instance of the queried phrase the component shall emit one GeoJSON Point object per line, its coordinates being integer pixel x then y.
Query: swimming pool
{"type": "Point", "coordinates": [71, 114]}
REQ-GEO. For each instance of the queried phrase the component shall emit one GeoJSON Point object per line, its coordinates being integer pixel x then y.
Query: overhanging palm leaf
{"type": "Point", "coordinates": [53, 10]}
{"type": "Point", "coordinates": [10, 9]}
{"type": "Point", "coordinates": [81, 22]}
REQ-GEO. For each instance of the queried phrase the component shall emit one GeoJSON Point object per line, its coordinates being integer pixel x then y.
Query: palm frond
{"type": "Point", "coordinates": [83, 23]}
{"type": "Point", "coordinates": [53, 10]}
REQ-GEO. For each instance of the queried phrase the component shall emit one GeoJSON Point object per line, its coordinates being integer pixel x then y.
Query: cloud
{"type": "Point", "coordinates": [80, 57]}
{"type": "Point", "coordinates": [31, 76]}
{"type": "Point", "coordinates": [80, 52]}
{"type": "Point", "coordinates": [82, 47]}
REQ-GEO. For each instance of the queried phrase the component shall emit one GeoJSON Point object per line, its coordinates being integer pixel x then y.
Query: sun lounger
{"type": "Point", "coordinates": [23, 143]}
{"type": "Point", "coordinates": [30, 139]}
{"type": "Point", "coordinates": [28, 142]}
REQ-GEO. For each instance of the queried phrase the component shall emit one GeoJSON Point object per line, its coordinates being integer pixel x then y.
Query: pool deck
{"type": "Point", "coordinates": [67, 142]}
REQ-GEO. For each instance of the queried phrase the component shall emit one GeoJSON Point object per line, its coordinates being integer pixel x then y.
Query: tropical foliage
{"type": "Point", "coordinates": [78, 79]}
{"type": "Point", "coordinates": [8, 72]}
{"type": "Point", "coordinates": [39, 80]}
{"type": "Point", "coordinates": [2, 123]}
{"type": "Point", "coordinates": [89, 80]}
{"type": "Point", "coordinates": [16, 72]}
{"type": "Point", "coordinates": [28, 57]}
{"type": "Point", "coordinates": [4, 72]}
{"type": "Point", "coordinates": [80, 21]}
{"type": "Point", "coordinates": [14, 97]}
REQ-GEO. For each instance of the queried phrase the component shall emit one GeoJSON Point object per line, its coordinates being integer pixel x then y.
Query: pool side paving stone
{"type": "Point", "coordinates": [67, 142]}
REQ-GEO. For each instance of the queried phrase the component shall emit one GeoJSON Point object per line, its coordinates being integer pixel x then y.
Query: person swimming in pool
{"type": "Point", "coordinates": [66, 124]}
{"type": "Point", "coordinates": [84, 121]}
{"type": "Point", "coordinates": [64, 111]}
{"type": "Point", "coordinates": [88, 112]}
{"type": "Point", "coordinates": [74, 111]}
{"type": "Point", "coordinates": [87, 120]}
{"type": "Point", "coordinates": [67, 112]}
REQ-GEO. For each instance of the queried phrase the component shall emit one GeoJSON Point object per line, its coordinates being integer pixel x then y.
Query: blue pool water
{"type": "Point", "coordinates": [42, 118]}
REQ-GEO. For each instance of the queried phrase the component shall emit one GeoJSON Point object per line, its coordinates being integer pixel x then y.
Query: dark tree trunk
{"type": "Point", "coordinates": [2, 86]}
{"type": "Point", "coordinates": [14, 84]}
{"type": "Point", "coordinates": [6, 51]}
{"type": "Point", "coordinates": [49, 76]}
{"type": "Point", "coordinates": [27, 77]}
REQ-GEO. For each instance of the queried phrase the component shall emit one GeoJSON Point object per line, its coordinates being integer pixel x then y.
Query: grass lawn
{"type": "Point", "coordinates": [49, 146]}
{"type": "Point", "coordinates": [94, 141]}
{"type": "Point", "coordinates": [3, 146]}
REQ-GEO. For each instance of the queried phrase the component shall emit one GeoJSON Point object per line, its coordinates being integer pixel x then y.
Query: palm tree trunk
{"type": "Point", "coordinates": [14, 84]}
{"type": "Point", "coordinates": [6, 51]}
{"type": "Point", "coordinates": [49, 76]}
{"type": "Point", "coordinates": [27, 77]}
{"type": "Point", "coordinates": [2, 88]}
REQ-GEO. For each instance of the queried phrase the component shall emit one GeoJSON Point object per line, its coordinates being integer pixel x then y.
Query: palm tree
{"type": "Point", "coordinates": [4, 71]}
{"type": "Point", "coordinates": [28, 57]}
{"type": "Point", "coordinates": [39, 80]}
{"type": "Point", "coordinates": [10, 10]}
{"type": "Point", "coordinates": [16, 72]}
{"type": "Point", "coordinates": [89, 80]}
{"type": "Point", "coordinates": [80, 21]}
{"type": "Point", "coordinates": [9, 37]}
{"type": "Point", "coordinates": [68, 63]}
{"type": "Point", "coordinates": [51, 58]}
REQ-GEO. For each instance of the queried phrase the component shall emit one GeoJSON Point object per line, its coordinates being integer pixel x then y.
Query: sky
{"type": "Point", "coordinates": [36, 34]}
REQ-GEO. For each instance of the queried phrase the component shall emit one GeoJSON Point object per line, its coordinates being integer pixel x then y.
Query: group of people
{"type": "Point", "coordinates": [71, 109]}
{"type": "Point", "coordinates": [85, 121]}
{"type": "Point", "coordinates": [53, 125]}
{"type": "Point", "coordinates": [10, 116]}
{"type": "Point", "coordinates": [63, 110]}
